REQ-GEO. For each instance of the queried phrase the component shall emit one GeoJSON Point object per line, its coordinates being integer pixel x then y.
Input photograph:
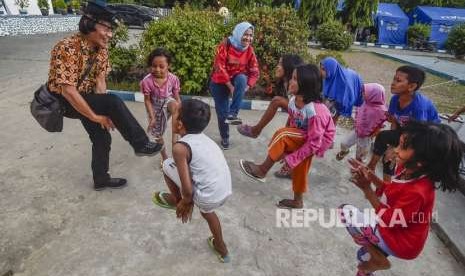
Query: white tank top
{"type": "Point", "coordinates": [210, 172]}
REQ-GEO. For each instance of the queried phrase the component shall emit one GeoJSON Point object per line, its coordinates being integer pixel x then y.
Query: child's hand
{"type": "Point", "coordinates": [151, 124]}
{"type": "Point", "coordinates": [361, 175]}
{"type": "Point", "coordinates": [389, 117]}
{"type": "Point", "coordinates": [184, 210]}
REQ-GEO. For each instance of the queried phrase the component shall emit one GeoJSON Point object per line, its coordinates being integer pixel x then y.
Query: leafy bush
{"type": "Point", "coordinates": [332, 35]}
{"type": "Point", "coordinates": [123, 60]}
{"type": "Point", "coordinates": [278, 31]}
{"type": "Point", "coordinates": [417, 32]}
{"type": "Point", "coordinates": [43, 4]}
{"type": "Point", "coordinates": [456, 41]}
{"type": "Point", "coordinates": [191, 36]}
{"type": "Point", "coordinates": [334, 54]}
{"type": "Point", "coordinates": [59, 4]}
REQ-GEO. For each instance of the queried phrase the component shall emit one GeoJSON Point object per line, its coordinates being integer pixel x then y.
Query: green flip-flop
{"type": "Point", "coordinates": [225, 259]}
{"type": "Point", "coordinates": [159, 200]}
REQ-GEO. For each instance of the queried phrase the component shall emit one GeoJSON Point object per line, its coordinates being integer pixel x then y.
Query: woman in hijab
{"type": "Point", "coordinates": [342, 88]}
{"type": "Point", "coordinates": [235, 70]}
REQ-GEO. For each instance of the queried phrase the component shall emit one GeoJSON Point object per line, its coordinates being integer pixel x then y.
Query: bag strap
{"type": "Point", "coordinates": [87, 71]}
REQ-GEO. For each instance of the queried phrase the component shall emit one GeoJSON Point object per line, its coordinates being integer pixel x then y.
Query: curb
{"type": "Point", "coordinates": [444, 237]}
{"type": "Point", "coordinates": [429, 70]}
{"type": "Point", "coordinates": [139, 97]}
{"type": "Point", "coordinates": [386, 46]}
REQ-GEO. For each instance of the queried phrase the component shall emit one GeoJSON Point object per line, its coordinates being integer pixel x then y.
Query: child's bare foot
{"type": "Point", "coordinates": [290, 204]}
{"type": "Point", "coordinates": [248, 130]}
{"type": "Point", "coordinates": [378, 261]}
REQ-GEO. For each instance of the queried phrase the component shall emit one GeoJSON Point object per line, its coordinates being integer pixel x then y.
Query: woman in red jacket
{"type": "Point", "coordinates": [235, 70]}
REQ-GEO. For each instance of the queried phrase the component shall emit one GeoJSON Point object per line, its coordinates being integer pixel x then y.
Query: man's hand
{"type": "Point", "coordinates": [184, 210]}
{"type": "Point", "coordinates": [247, 88]}
{"type": "Point", "coordinates": [104, 122]}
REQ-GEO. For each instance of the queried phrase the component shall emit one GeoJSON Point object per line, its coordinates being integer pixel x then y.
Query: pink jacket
{"type": "Point", "coordinates": [319, 137]}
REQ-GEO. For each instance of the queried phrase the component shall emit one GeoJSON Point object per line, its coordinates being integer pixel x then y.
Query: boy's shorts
{"type": "Point", "coordinates": [170, 170]}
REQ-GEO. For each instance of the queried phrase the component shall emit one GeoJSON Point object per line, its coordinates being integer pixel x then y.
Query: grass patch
{"type": "Point", "coordinates": [125, 86]}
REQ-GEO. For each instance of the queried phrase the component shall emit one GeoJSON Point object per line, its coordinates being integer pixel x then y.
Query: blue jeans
{"type": "Point", "coordinates": [220, 93]}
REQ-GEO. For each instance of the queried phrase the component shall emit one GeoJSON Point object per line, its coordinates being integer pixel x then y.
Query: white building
{"type": "Point", "coordinates": [9, 8]}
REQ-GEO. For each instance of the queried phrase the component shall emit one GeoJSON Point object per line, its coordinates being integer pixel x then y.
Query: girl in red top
{"type": "Point", "coordinates": [235, 70]}
{"type": "Point", "coordinates": [427, 153]}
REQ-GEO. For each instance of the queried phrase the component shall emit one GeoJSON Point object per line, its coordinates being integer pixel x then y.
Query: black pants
{"type": "Point", "coordinates": [113, 107]}
{"type": "Point", "coordinates": [384, 139]}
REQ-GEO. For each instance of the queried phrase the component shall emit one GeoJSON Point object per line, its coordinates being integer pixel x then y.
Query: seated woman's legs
{"type": "Point", "coordinates": [220, 95]}
{"type": "Point", "coordinates": [240, 83]}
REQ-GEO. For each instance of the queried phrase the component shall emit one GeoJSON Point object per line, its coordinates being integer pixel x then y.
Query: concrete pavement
{"type": "Point", "coordinates": [53, 223]}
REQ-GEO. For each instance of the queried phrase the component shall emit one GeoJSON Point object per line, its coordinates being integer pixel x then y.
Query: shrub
{"type": "Point", "coordinates": [123, 60]}
{"type": "Point", "coordinates": [43, 4]}
{"type": "Point", "coordinates": [332, 35]}
{"type": "Point", "coordinates": [456, 41]}
{"type": "Point", "coordinates": [191, 36]}
{"type": "Point", "coordinates": [59, 4]}
{"type": "Point", "coordinates": [417, 32]}
{"type": "Point", "coordinates": [334, 54]}
{"type": "Point", "coordinates": [278, 31]}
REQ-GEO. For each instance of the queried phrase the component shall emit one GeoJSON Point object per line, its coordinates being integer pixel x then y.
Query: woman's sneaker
{"type": "Point", "coordinates": [224, 144]}
{"type": "Point", "coordinates": [233, 120]}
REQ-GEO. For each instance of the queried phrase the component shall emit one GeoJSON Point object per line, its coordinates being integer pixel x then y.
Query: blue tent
{"type": "Point", "coordinates": [340, 5]}
{"type": "Point", "coordinates": [442, 20]}
{"type": "Point", "coordinates": [392, 24]}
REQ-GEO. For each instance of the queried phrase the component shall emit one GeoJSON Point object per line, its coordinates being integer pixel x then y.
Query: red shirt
{"type": "Point", "coordinates": [410, 199]}
{"type": "Point", "coordinates": [229, 62]}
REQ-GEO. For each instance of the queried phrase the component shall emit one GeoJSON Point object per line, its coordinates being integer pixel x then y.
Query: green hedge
{"type": "Point", "coordinates": [278, 31]}
{"type": "Point", "coordinates": [456, 41]}
{"type": "Point", "coordinates": [418, 32]}
{"type": "Point", "coordinates": [334, 54]}
{"type": "Point", "coordinates": [333, 35]}
{"type": "Point", "coordinates": [191, 36]}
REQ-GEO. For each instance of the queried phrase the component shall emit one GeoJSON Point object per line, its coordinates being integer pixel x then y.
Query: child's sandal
{"type": "Point", "coordinates": [340, 155]}
{"type": "Point", "coordinates": [284, 172]}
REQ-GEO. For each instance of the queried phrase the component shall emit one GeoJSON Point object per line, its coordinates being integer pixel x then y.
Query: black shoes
{"type": "Point", "coordinates": [113, 183]}
{"type": "Point", "coordinates": [149, 149]}
{"type": "Point", "coordinates": [233, 120]}
{"type": "Point", "coordinates": [225, 144]}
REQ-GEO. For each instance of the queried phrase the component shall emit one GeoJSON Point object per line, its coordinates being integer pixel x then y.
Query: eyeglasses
{"type": "Point", "coordinates": [108, 28]}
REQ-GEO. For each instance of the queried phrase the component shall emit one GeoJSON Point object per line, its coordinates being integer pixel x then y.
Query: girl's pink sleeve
{"type": "Point", "coordinates": [144, 88]}
{"type": "Point", "coordinates": [315, 136]}
{"type": "Point", "coordinates": [176, 87]}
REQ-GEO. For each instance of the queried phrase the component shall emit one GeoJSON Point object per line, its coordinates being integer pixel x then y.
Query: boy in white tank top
{"type": "Point", "coordinates": [197, 174]}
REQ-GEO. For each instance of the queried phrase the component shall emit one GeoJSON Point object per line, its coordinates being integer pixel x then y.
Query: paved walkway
{"type": "Point", "coordinates": [432, 62]}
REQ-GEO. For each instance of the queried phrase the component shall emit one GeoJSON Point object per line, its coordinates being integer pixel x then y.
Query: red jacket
{"type": "Point", "coordinates": [412, 200]}
{"type": "Point", "coordinates": [229, 62]}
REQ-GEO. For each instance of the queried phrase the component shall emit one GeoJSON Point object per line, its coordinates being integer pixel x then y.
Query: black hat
{"type": "Point", "coordinates": [98, 10]}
